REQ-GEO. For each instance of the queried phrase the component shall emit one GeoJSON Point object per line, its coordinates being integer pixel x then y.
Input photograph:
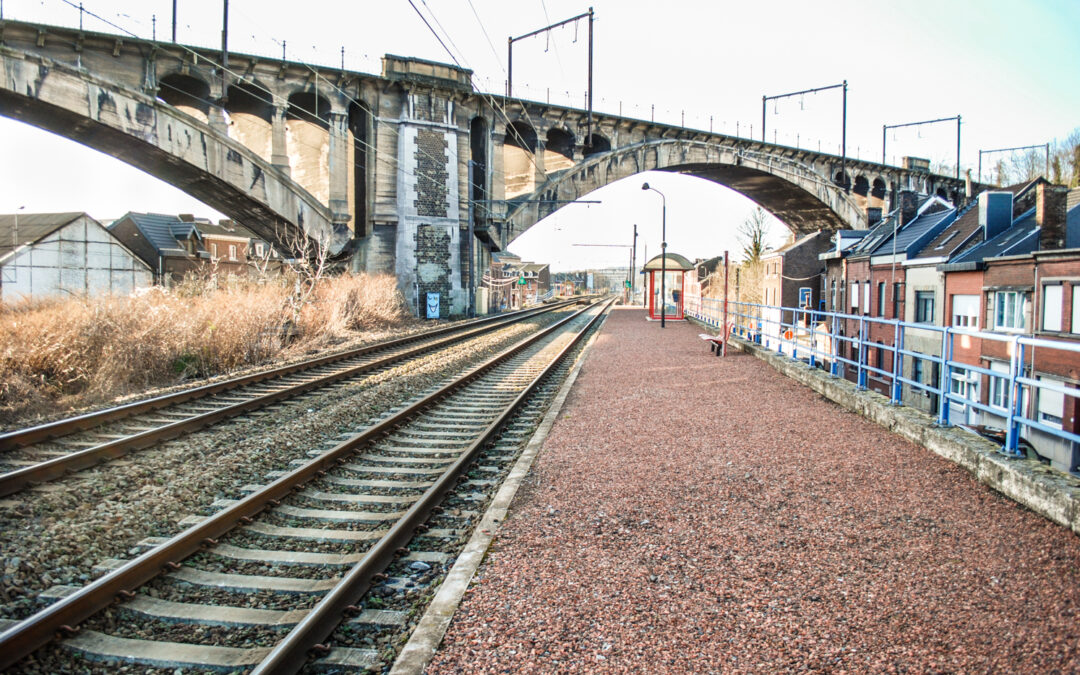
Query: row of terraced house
{"type": "Point", "coordinates": [1007, 262]}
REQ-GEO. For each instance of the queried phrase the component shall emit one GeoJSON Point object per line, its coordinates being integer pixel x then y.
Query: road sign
{"type": "Point", "coordinates": [521, 281]}
{"type": "Point", "coordinates": [626, 283]}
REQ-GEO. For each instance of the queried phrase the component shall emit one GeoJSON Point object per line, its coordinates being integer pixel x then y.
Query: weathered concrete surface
{"type": "Point", "coordinates": [1045, 491]}
{"type": "Point", "coordinates": [162, 141]}
{"type": "Point", "coordinates": [806, 201]}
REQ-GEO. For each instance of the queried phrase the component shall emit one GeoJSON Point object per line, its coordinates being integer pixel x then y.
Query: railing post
{"type": "Point", "coordinates": [1016, 399]}
{"type": "Point", "coordinates": [947, 340]}
{"type": "Point", "coordinates": [862, 353]}
{"type": "Point", "coordinates": [813, 342]}
{"type": "Point", "coordinates": [834, 348]}
{"type": "Point", "coordinates": [794, 334]}
{"type": "Point", "coordinates": [897, 363]}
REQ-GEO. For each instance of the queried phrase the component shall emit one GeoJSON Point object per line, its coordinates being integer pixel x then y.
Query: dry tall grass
{"type": "Point", "coordinates": [62, 354]}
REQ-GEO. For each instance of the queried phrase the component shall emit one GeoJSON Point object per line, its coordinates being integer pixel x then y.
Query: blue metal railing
{"type": "Point", "coordinates": [821, 340]}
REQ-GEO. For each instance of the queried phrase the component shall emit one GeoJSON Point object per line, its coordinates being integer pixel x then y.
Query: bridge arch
{"type": "Point", "coordinates": [519, 163]}
{"type": "Point", "coordinates": [802, 199]}
{"type": "Point", "coordinates": [596, 144]}
{"type": "Point", "coordinates": [186, 92]}
{"type": "Point", "coordinates": [251, 113]}
{"type": "Point", "coordinates": [165, 142]}
{"type": "Point", "coordinates": [558, 150]}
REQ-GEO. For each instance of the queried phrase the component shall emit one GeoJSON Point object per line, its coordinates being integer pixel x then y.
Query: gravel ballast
{"type": "Point", "coordinates": [701, 514]}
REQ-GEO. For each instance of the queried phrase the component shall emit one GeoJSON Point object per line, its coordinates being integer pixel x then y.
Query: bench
{"type": "Point", "coordinates": [716, 342]}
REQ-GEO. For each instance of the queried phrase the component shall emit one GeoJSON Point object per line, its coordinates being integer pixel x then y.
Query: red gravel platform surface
{"type": "Point", "coordinates": [692, 514]}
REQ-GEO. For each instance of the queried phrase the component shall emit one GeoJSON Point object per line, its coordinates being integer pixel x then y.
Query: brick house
{"type": "Point", "coordinates": [170, 246]}
{"type": "Point", "coordinates": [791, 277]}
{"type": "Point", "coordinates": [1024, 281]}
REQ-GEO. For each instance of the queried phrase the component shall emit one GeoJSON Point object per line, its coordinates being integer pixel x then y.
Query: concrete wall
{"type": "Point", "coordinates": [81, 258]}
{"type": "Point", "coordinates": [922, 278]}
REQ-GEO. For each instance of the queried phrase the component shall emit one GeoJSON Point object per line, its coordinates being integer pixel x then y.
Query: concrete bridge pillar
{"type": "Point", "coordinates": [215, 117]}
{"type": "Point", "coordinates": [539, 170]}
{"type": "Point", "coordinates": [339, 167]}
{"type": "Point", "coordinates": [279, 150]}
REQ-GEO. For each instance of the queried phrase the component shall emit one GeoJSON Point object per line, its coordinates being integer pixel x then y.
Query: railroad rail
{"type": "Point", "coordinates": [29, 457]}
{"type": "Point", "coordinates": [430, 447]}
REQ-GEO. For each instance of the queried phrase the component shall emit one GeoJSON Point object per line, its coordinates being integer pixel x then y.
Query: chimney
{"type": "Point", "coordinates": [995, 213]}
{"type": "Point", "coordinates": [186, 217]}
{"type": "Point", "coordinates": [967, 185]}
{"type": "Point", "coordinates": [1050, 215]}
{"type": "Point", "coordinates": [909, 206]}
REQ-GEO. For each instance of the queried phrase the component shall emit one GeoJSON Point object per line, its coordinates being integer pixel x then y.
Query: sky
{"type": "Point", "coordinates": [1010, 72]}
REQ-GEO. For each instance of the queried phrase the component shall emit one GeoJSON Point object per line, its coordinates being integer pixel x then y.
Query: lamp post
{"type": "Point", "coordinates": [663, 253]}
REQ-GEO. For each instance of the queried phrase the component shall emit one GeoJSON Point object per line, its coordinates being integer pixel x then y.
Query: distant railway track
{"type": "Point", "coordinates": [276, 578]}
{"type": "Point", "coordinates": [48, 451]}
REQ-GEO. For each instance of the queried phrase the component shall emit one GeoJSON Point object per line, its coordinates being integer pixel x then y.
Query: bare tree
{"type": "Point", "coordinates": [753, 234]}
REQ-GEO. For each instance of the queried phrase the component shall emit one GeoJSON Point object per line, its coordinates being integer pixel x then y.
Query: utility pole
{"type": "Point", "coordinates": [174, 21]}
{"type": "Point", "coordinates": [633, 263]}
{"type": "Point", "coordinates": [225, 41]}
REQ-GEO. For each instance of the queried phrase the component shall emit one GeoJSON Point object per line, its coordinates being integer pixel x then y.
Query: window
{"type": "Point", "coordinates": [260, 250]}
{"type": "Point", "coordinates": [965, 311]}
{"type": "Point", "coordinates": [833, 307]}
{"type": "Point", "coordinates": [1076, 308]}
{"type": "Point", "coordinates": [213, 251]}
{"type": "Point", "coordinates": [866, 298]}
{"type": "Point", "coordinates": [1009, 310]}
{"type": "Point", "coordinates": [881, 298]}
{"type": "Point", "coordinates": [1052, 301]}
{"type": "Point", "coordinates": [896, 300]}
{"type": "Point", "coordinates": [924, 307]}
{"type": "Point", "coordinates": [232, 251]}
{"type": "Point", "coordinates": [1051, 404]}
{"type": "Point", "coordinates": [917, 369]}
{"type": "Point", "coordinates": [854, 296]}
{"type": "Point", "coordinates": [999, 386]}
{"type": "Point", "coordinates": [880, 356]}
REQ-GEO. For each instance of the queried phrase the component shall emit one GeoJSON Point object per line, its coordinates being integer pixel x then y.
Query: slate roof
{"type": "Point", "coordinates": [910, 234]}
{"type": "Point", "coordinates": [964, 233]}
{"type": "Point", "coordinates": [1021, 238]}
{"type": "Point", "coordinates": [32, 227]}
{"type": "Point", "coordinates": [163, 231]}
{"type": "Point", "coordinates": [791, 245]}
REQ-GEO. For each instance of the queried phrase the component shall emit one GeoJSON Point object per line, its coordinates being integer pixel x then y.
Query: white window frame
{"type": "Point", "coordinates": [232, 251]}
{"type": "Point", "coordinates": [964, 315]}
{"type": "Point", "coordinates": [854, 296]}
{"type": "Point", "coordinates": [866, 297]}
{"type": "Point", "coordinates": [1051, 405]}
{"type": "Point", "coordinates": [998, 396]}
{"type": "Point", "coordinates": [1075, 308]}
{"type": "Point", "coordinates": [1053, 304]}
{"type": "Point", "coordinates": [1008, 311]}
{"type": "Point", "coordinates": [213, 251]}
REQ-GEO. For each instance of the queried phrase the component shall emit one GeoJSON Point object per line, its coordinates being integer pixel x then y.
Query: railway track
{"type": "Point", "coordinates": [48, 451]}
{"type": "Point", "coordinates": [263, 581]}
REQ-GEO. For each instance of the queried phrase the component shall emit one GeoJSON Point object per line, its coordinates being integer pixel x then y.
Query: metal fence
{"type": "Point", "coordinates": [821, 340]}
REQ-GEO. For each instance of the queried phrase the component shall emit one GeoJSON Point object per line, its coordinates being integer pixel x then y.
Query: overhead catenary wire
{"type": "Point", "coordinates": [267, 97]}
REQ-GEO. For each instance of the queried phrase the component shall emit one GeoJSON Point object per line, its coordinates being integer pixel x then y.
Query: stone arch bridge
{"type": "Point", "coordinates": [378, 166]}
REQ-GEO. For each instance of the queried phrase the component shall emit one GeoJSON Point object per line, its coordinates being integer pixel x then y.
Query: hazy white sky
{"type": "Point", "coordinates": [1009, 69]}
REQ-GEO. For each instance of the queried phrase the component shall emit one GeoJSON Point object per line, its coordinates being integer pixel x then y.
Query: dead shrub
{"type": "Point", "coordinates": [65, 353]}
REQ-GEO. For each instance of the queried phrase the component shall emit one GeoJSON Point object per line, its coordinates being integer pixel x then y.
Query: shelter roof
{"type": "Point", "coordinates": [675, 262]}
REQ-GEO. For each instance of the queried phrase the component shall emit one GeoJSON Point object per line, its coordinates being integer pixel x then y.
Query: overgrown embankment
{"type": "Point", "coordinates": [59, 355]}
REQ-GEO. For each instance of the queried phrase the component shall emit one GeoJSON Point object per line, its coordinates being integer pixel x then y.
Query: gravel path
{"type": "Point", "coordinates": [692, 514]}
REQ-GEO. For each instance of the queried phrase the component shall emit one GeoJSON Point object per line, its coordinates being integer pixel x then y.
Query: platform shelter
{"type": "Point", "coordinates": [677, 267]}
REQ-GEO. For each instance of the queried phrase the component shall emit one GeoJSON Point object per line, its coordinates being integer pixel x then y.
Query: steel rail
{"type": "Point", "coordinates": [61, 617]}
{"type": "Point", "coordinates": [51, 469]}
{"type": "Point", "coordinates": [59, 428]}
{"type": "Point", "coordinates": [289, 655]}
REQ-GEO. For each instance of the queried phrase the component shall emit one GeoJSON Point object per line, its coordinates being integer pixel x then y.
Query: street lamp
{"type": "Point", "coordinates": [663, 252]}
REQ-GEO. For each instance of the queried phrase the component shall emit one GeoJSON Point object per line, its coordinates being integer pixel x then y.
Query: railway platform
{"type": "Point", "coordinates": [690, 514]}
